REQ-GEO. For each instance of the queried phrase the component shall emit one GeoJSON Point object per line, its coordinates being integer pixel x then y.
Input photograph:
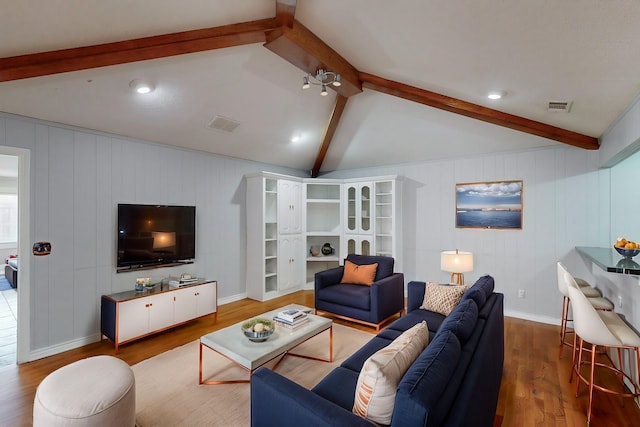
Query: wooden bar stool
{"type": "Point", "coordinates": [594, 295]}
{"type": "Point", "coordinates": [601, 328]}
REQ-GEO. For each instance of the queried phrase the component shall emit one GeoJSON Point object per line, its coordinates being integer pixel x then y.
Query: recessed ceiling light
{"type": "Point", "coordinates": [295, 138]}
{"type": "Point", "coordinates": [496, 95]}
{"type": "Point", "coordinates": [141, 86]}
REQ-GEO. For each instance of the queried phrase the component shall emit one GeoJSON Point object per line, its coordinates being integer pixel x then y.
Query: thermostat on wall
{"type": "Point", "coordinates": [41, 248]}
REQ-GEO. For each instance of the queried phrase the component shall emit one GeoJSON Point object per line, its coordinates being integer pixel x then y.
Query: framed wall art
{"type": "Point", "coordinates": [494, 205]}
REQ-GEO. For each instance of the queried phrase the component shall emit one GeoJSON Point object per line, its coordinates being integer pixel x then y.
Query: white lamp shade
{"type": "Point", "coordinates": [456, 261]}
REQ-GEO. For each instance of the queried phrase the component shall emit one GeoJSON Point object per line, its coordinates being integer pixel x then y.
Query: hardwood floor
{"type": "Point", "coordinates": [535, 388]}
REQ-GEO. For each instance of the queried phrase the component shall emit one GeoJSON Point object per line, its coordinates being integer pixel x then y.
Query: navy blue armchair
{"type": "Point", "coordinates": [370, 305]}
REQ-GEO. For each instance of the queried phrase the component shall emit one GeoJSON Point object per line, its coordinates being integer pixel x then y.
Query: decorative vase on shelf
{"type": "Point", "coordinates": [327, 249]}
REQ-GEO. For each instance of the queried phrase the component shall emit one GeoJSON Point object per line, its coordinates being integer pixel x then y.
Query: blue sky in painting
{"type": "Point", "coordinates": [507, 194]}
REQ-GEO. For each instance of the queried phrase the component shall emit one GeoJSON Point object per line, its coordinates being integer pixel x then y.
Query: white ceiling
{"type": "Point", "coordinates": [584, 51]}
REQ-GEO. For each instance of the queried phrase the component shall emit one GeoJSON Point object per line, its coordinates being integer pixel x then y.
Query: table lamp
{"type": "Point", "coordinates": [456, 262]}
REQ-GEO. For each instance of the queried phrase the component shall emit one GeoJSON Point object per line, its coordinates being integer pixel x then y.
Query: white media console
{"type": "Point", "coordinates": [130, 315]}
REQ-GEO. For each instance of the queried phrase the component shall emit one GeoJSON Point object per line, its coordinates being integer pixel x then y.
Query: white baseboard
{"type": "Point", "coordinates": [60, 348]}
{"type": "Point", "coordinates": [70, 345]}
{"type": "Point", "coordinates": [534, 318]}
{"type": "Point", "coordinates": [232, 298]}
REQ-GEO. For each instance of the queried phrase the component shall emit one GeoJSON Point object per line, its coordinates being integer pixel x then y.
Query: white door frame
{"type": "Point", "coordinates": [23, 349]}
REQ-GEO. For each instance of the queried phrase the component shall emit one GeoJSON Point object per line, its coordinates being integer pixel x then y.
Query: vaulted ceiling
{"type": "Point", "coordinates": [415, 74]}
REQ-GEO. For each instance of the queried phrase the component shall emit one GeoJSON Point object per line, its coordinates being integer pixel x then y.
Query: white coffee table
{"type": "Point", "coordinates": [231, 343]}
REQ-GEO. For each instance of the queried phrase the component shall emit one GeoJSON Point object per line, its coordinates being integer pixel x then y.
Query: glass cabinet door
{"type": "Point", "coordinates": [365, 208]}
{"type": "Point", "coordinates": [351, 245]}
{"type": "Point", "coordinates": [359, 245]}
{"type": "Point", "coordinates": [359, 208]}
{"type": "Point", "coordinates": [365, 247]}
{"type": "Point", "coordinates": [351, 209]}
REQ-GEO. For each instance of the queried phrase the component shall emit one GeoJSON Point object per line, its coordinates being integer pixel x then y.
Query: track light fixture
{"type": "Point", "coordinates": [322, 78]}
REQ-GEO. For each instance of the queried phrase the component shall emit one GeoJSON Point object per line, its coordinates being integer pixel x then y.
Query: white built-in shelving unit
{"type": "Point", "coordinates": [289, 220]}
{"type": "Point", "coordinates": [323, 219]}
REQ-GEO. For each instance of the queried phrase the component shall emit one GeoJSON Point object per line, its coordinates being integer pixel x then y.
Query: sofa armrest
{"type": "Point", "coordinates": [387, 295]}
{"type": "Point", "coordinates": [415, 295]}
{"type": "Point", "coordinates": [279, 402]}
{"type": "Point", "coordinates": [330, 277]}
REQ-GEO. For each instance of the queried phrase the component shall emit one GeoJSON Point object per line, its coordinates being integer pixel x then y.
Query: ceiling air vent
{"type": "Point", "coordinates": [559, 106]}
{"type": "Point", "coordinates": [223, 124]}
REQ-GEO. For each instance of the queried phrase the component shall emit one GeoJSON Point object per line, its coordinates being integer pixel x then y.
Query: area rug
{"type": "Point", "coordinates": [168, 393]}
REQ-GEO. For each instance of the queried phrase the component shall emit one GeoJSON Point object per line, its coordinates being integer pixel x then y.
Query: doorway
{"type": "Point", "coordinates": [14, 242]}
{"type": "Point", "coordinates": [9, 258]}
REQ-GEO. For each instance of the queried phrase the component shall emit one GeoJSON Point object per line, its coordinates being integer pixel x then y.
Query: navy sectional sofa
{"type": "Point", "coordinates": [454, 382]}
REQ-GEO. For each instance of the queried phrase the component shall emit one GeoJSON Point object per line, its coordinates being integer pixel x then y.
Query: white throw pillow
{"type": "Point", "coordinates": [382, 372]}
{"type": "Point", "coordinates": [442, 298]}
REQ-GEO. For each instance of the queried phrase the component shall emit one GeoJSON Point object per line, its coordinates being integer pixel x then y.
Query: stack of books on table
{"type": "Point", "coordinates": [291, 318]}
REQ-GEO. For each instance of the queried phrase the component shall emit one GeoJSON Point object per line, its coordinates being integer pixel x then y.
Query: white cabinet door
{"type": "Point", "coordinates": [161, 311]}
{"type": "Point", "coordinates": [133, 319]}
{"type": "Point", "coordinates": [207, 299]}
{"type": "Point", "coordinates": [291, 262]}
{"type": "Point", "coordinates": [185, 305]}
{"type": "Point", "coordinates": [289, 207]}
{"type": "Point", "coordinates": [361, 245]}
{"type": "Point", "coordinates": [359, 208]}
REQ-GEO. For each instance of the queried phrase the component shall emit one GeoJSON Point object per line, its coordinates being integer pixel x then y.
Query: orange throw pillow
{"type": "Point", "coordinates": [359, 274]}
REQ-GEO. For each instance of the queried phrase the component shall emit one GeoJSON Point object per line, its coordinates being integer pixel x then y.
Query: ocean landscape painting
{"type": "Point", "coordinates": [489, 205]}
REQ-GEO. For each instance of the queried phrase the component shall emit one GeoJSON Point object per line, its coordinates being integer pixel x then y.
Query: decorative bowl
{"type": "Point", "coordinates": [258, 329]}
{"type": "Point", "coordinates": [627, 253]}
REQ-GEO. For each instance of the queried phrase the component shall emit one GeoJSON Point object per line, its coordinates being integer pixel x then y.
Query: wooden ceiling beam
{"type": "Point", "coordinates": [290, 40]}
{"type": "Point", "coordinates": [87, 57]}
{"type": "Point", "coordinates": [286, 12]}
{"type": "Point", "coordinates": [478, 112]}
{"type": "Point", "coordinates": [299, 46]}
{"type": "Point", "coordinates": [338, 109]}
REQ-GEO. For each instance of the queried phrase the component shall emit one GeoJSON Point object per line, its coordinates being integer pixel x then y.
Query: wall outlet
{"type": "Point", "coordinates": [522, 293]}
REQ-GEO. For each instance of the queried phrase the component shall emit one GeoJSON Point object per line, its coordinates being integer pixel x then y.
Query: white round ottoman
{"type": "Point", "coordinates": [97, 391]}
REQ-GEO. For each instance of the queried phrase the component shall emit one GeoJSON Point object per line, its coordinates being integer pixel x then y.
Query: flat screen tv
{"type": "Point", "coordinates": [155, 235]}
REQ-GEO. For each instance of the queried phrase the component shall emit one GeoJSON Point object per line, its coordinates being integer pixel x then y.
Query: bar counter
{"type": "Point", "coordinates": [609, 260]}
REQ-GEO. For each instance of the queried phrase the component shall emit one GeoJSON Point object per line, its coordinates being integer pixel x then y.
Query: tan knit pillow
{"type": "Point", "coordinates": [442, 298]}
{"type": "Point", "coordinates": [359, 274]}
{"type": "Point", "coordinates": [381, 373]}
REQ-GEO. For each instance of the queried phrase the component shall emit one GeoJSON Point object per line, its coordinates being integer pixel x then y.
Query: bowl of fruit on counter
{"type": "Point", "coordinates": [627, 248]}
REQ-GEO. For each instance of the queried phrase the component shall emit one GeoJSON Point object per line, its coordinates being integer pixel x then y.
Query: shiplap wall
{"type": "Point", "coordinates": [77, 179]}
{"type": "Point", "coordinates": [566, 204]}
{"type": "Point", "coordinates": [79, 176]}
